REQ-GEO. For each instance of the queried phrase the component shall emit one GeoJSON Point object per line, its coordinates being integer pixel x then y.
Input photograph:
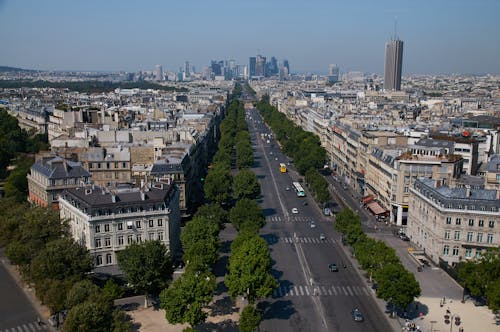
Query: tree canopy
{"type": "Point", "coordinates": [147, 266]}
{"type": "Point", "coordinates": [246, 185]}
{"type": "Point", "coordinates": [247, 214]}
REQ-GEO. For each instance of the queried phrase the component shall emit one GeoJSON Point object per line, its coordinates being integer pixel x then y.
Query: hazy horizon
{"type": "Point", "coordinates": [440, 37]}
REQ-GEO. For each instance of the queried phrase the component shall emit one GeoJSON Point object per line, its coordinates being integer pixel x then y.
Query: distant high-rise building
{"type": "Point", "coordinates": [260, 66]}
{"type": "Point", "coordinates": [333, 73]}
{"type": "Point", "coordinates": [286, 65]}
{"type": "Point", "coordinates": [159, 73]}
{"type": "Point", "coordinates": [272, 67]}
{"type": "Point", "coordinates": [252, 65]}
{"type": "Point", "coordinates": [186, 69]}
{"type": "Point", "coordinates": [393, 64]}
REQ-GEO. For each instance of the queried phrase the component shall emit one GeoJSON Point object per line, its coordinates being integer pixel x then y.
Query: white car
{"type": "Point", "coordinates": [295, 210]}
{"type": "Point", "coordinates": [313, 224]}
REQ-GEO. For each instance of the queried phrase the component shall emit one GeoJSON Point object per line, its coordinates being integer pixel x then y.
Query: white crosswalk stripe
{"type": "Point", "coordinates": [320, 290]}
{"type": "Point", "coordinates": [309, 240]}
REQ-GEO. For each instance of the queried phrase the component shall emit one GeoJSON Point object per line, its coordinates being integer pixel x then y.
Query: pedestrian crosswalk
{"type": "Point", "coordinates": [301, 239]}
{"type": "Point", "coordinates": [289, 219]}
{"type": "Point", "coordinates": [320, 290]}
{"type": "Point", "coordinates": [27, 327]}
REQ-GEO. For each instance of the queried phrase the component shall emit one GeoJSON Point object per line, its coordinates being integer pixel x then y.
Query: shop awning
{"type": "Point", "coordinates": [367, 199]}
{"type": "Point", "coordinates": [375, 208]}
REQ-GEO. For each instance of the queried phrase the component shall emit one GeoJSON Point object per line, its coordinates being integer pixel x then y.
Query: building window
{"type": "Point", "coordinates": [107, 242]}
{"type": "Point", "coordinates": [151, 236]}
{"type": "Point", "coordinates": [455, 251]}
{"type": "Point", "coordinates": [120, 240]}
{"type": "Point", "coordinates": [468, 252]}
{"type": "Point", "coordinates": [406, 190]}
{"type": "Point", "coordinates": [151, 223]}
{"type": "Point", "coordinates": [130, 239]}
{"type": "Point", "coordinates": [130, 224]}
{"type": "Point", "coordinates": [138, 238]}
{"type": "Point", "coordinates": [478, 253]}
{"type": "Point", "coordinates": [160, 236]}
{"type": "Point", "coordinates": [98, 260]}
{"type": "Point", "coordinates": [447, 235]}
{"type": "Point", "coordinates": [458, 221]}
{"type": "Point", "coordinates": [120, 226]}
{"type": "Point", "coordinates": [457, 235]}
{"type": "Point", "coordinates": [138, 224]}
{"type": "Point", "coordinates": [160, 222]}
{"type": "Point", "coordinates": [97, 228]}
{"type": "Point", "coordinates": [471, 222]}
{"type": "Point", "coordinates": [97, 243]}
{"type": "Point", "coordinates": [470, 236]}
{"type": "Point", "coordinates": [479, 237]}
{"type": "Point", "coordinates": [481, 223]}
{"type": "Point", "coordinates": [108, 259]}
{"type": "Point", "coordinates": [446, 250]}
{"type": "Point", "coordinates": [491, 224]}
{"type": "Point", "coordinates": [106, 228]}
{"type": "Point", "coordinates": [489, 239]}
{"type": "Point", "coordinates": [448, 220]}
{"type": "Point", "coordinates": [91, 165]}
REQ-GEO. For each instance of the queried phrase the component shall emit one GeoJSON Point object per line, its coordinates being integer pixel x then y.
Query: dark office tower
{"type": "Point", "coordinates": [253, 62]}
{"type": "Point", "coordinates": [186, 69]}
{"type": "Point", "coordinates": [393, 64]}
{"type": "Point", "coordinates": [216, 67]}
{"type": "Point", "coordinates": [272, 67]}
{"type": "Point", "coordinates": [260, 66]}
{"type": "Point", "coordinates": [286, 65]}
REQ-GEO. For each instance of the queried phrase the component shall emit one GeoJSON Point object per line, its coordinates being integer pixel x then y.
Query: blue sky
{"type": "Point", "coordinates": [440, 36]}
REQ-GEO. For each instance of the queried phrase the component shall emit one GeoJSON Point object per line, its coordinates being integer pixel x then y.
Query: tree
{"type": "Point", "coordinates": [245, 185]}
{"type": "Point", "coordinates": [246, 214]}
{"type": "Point", "coordinates": [250, 270]}
{"type": "Point", "coordinates": [16, 185]}
{"type": "Point", "coordinates": [218, 184]}
{"type": "Point", "coordinates": [53, 292]}
{"type": "Point", "coordinates": [397, 285]}
{"type": "Point", "coordinates": [82, 291]}
{"type": "Point", "coordinates": [185, 299]}
{"type": "Point", "coordinates": [61, 259]}
{"type": "Point", "coordinates": [213, 212]}
{"type": "Point", "coordinates": [249, 319]}
{"type": "Point", "coordinates": [88, 316]}
{"type": "Point", "coordinates": [112, 290]}
{"type": "Point", "coordinates": [147, 266]}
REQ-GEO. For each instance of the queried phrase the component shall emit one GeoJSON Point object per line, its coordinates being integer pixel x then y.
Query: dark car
{"type": "Point", "coordinates": [333, 267]}
{"type": "Point", "coordinates": [357, 316]}
{"type": "Point", "coordinates": [404, 237]}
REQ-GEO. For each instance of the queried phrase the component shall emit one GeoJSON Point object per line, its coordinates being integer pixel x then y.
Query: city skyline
{"type": "Point", "coordinates": [447, 37]}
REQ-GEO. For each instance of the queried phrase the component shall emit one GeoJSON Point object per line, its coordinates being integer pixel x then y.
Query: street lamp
{"type": "Point", "coordinates": [450, 318]}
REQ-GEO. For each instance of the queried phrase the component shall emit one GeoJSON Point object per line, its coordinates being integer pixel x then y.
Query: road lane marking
{"type": "Point", "coordinates": [334, 291]}
{"type": "Point", "coordinates": [366, 291]}
{"type": "Point", "coordinates": [301, 290]}
{"type": "Point", "coordinates": [349, 289]}
{"type": "Point", "coordinates": [307, 289]}
{"type": "Point", "coordinates": [324, 290]}
{"type": "Point", "coordinates": [344, 290]}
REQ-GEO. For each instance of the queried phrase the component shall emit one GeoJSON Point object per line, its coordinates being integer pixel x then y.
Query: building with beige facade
{"type": "Point", "coordinates": [453, 224]}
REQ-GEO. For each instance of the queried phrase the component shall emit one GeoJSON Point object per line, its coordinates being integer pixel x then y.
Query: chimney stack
{"type": "Point", "coordinates": [467, 191]}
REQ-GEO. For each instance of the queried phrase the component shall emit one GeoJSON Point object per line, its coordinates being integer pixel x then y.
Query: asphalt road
{"type": "Point", "coordinates": [17, 314]}
{"type": "Point", "coordinates": [310, 297]}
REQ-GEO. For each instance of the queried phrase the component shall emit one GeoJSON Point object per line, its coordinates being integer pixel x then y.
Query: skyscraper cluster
{"type": "Point", "coordinates": [259, 67]}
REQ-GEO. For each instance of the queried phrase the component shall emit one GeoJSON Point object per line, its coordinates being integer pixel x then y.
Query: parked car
{"type": "Point", "coordinates": [295, 210]}
{"type": "Point", "coordinates": [326, 211]}
{"type": "Point", "coordinates": [357, 315]}
{"type": "Point", "coordinates": [404, 237]}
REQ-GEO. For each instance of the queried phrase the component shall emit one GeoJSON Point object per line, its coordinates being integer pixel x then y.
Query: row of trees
{"type": "Point", "coordinates": [304, 147]}
{"type": "Point", "coordinates": [394, 282]}
{"type": "Point", "coordinates": [482, 277]}
{"type": "Point", "coordinates": [39, 243]}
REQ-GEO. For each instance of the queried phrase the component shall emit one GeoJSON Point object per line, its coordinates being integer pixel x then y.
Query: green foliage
{"type": "Point", "coordinates": [82, 291]}
{"type": "Point", "coordinates": [482, 277]}
{"type": "Point", "coordinates": [184, 300]}
{"type": "Point", "coordinates": [213, 212]}
{"type": "Point", "coordinates": [16, 185]}
{"type": "Point", "coordinates": [218, 184]}
{"type": "Point", "coordinates": [112, 290]}
{"type": "Point", "coordinates": [61, 259]}
{"type": "Point", "coordinates": [397, 285]}
{"type": "Point", "coordinates": [250, 270]}
{"type": "Point", "coordinates": [246, 185]}
{"type": "Point", "coordinates": [31, 230]}
{"type": "Point", "coordinates": [247, 215]}
{"type": "Point", "coordinates": [318, 185]}
{"type": "Point", "coordinates": [53, 292]}
{"type": "Point", "coordinates": [250, 319]}
{"type": "Point", "coordinates": [200, 242]}
{"type": "Point", "coordinates": [88, 316]}
{"type": "Point", "coordinates": [10, 219]}
{"type": "Point", "coordinates": [146, 265]}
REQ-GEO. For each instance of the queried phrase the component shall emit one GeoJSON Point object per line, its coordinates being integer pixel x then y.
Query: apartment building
{"type": "Point", "coordinates": [106, 220]}
{"type": "Point", "coordinates": [49, 176]}
{"type": "Point", "coordinates": [108, 166]}
{"type": "Point", "coordinates": [452, 224]}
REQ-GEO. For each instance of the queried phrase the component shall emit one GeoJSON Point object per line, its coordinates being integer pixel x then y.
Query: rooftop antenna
{"type": "Point", "coordinates": [395, 27]}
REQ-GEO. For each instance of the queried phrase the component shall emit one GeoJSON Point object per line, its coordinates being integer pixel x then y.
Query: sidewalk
{"type": "Point", "coordinates": [43, 311]}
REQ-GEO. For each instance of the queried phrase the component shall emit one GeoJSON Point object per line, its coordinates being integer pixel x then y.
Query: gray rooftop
{"type": "Point", "coordinates": [60, 168]}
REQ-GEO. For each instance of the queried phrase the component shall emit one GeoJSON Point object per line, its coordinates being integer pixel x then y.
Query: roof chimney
{"type": "Point", "coordinates": [498, 192]}
{"type": "Point", "coordinates": [467, 191]}
{"type": "Point", "coordinates": [438, 183]}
